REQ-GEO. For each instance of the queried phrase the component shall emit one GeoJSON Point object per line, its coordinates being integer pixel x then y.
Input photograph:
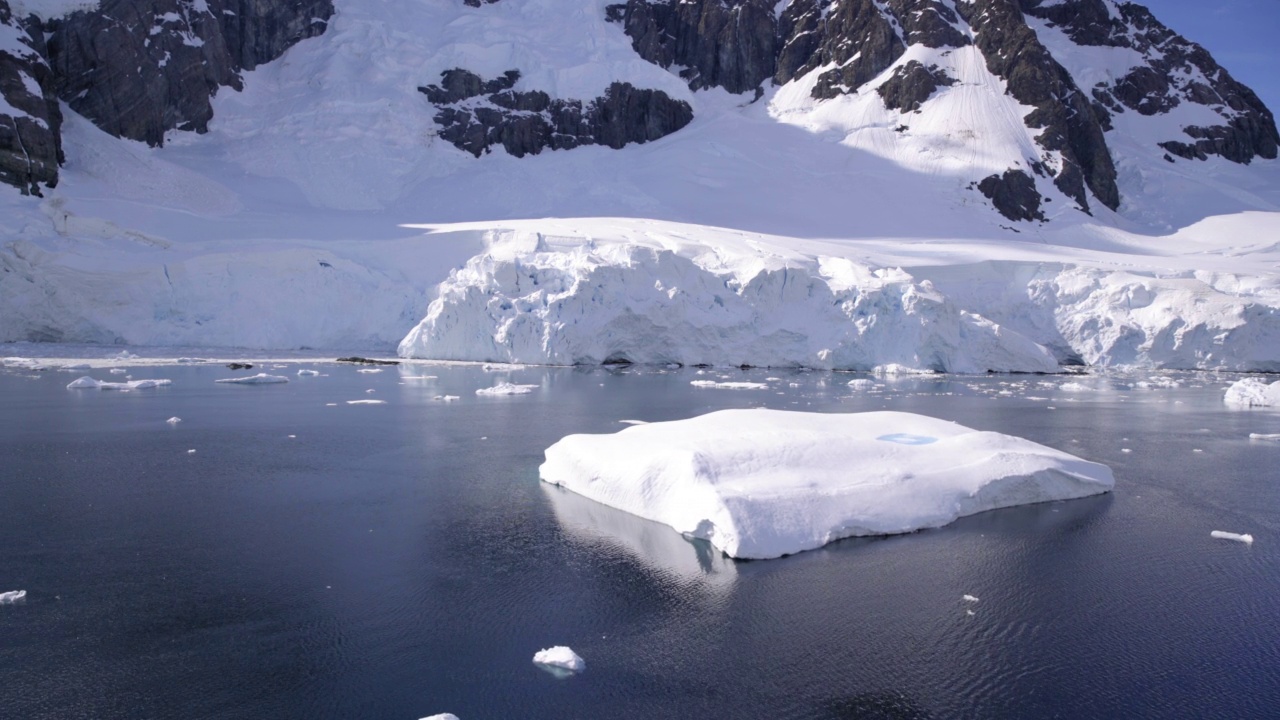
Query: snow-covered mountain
{"type": "Point", "coordinates": [939, 184]}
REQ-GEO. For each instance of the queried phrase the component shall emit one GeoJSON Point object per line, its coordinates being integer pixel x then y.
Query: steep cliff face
{"type": "Point", "coordinates": [138, 68]}
{"type": "Point", "coordinates": [30, 119]}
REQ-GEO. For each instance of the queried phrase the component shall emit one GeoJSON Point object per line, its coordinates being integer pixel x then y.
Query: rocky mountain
{"type": "Point", "coordinates": [140, 68]}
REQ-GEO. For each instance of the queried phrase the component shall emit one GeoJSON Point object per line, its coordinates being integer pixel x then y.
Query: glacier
{"type": "Point", "coordinates": [323, 210]}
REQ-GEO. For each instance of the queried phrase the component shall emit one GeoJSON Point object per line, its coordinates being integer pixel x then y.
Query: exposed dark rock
{"type": "Point", "coordinates": [1176, 71]}
{"type": "Point", "coordinates": [1013, 52]}
{"type": "Point", "coordinates": [912, 84]}
{"type": "Point", "coordinates": [30, 117]}
{"type": "Point", "coordinates": [367, 361]}
{"type": "Point", "coordinates": [1014, 194]}
{"type": "Point", "coordinates": [929, 23]}
{"type": "Point", "coordinates": [720, 43]}
{"type": "Point", "coordinates": [138, 68]}
{"type": "Point", "coordinates": [239, 366]}
{"type": "Point", "coordinates": [478, 3]}
{"type": "Point", "coordinates": [855, 35]}
{"type": "Point", "coordinates": [476, 115]}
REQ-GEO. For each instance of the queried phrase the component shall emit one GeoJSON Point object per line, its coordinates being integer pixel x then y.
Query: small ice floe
{"type": "Point", "coordinates": [369, 371]}
{"type": "Point", "coordinates": [76, 366]}
{"type": "Point", "coordinates": [969, 598]}
{"type": "Point", "coordinates": [1125, 450]}
{"type": "Point", "coordinates": [501, 367]}
{"type": "Point", "coordinates": [366, 402]}
{"type": "Point", "coordinates": [1264, 436]}
{"type": "Point", "coordinates": [88, 383]}
{"type": "Point", "coordinates": [20, 363]}
{"type": "Point", "coordinates": [192, 451]}
{"type": "Point", "coordinates": [308, 373]}
{"type": "Point", "coordinates": [1074, 387]}
{"type": "Point", "coordinates": [259, 379]}
{"type": "Point", "coordinates": [190, 361]}
{"type": "Point", "coordinates": [174, 420]}
{"type": "Point", "coordinates": [14, 596]}
{"type": "Point", "coordinates": [446, 398]}
{"type": "Point", "coordinates": [117, 371]}
{"type": "Point", "coordinates": [896, 369]}
{"type": "Point", "coordinates": [729, 385]}
{"type": "Point", "coordinates": [1224, 535]}
{"type": "Point", "coordinates": [441, 716]}
{"type": "Point", "coordinates": [861, 384]}
{"type": "Point", "coordinates": [417, 377]}
{"type": "Point", "coordinates": [506, 388]}
{"type": "Point", "coordinates": [634, 422]}
{"type": "Point", "coordinates": [123, 355]}
{"type": "Point", "coordinates": [561, 658]}
{"type": "Point", "coordinates": [1252, 392]}
{"type": "Point", "coordinates": [370, 390]}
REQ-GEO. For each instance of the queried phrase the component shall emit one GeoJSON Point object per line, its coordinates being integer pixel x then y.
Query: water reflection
{"type": "Point", "coordinates": [657, 546]}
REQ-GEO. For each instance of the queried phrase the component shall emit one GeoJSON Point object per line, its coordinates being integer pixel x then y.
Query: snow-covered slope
{"type": "Point", "coordinates": [326, 203]}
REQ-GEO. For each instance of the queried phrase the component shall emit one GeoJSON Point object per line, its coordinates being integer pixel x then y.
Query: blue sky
{"type": "Point", "coordinates": [1242, 35]}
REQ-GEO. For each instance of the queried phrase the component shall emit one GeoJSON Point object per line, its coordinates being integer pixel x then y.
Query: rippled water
{"type": "Point", "coordinates": [398, 560]}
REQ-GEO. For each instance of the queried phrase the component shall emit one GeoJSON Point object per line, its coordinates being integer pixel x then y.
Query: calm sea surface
{"type": "Point", "coordinates": [316, 559]}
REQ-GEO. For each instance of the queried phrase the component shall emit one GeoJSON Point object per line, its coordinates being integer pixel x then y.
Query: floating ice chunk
{"type": "Point", "coordinates": [766, 483]}
{"type": "Point", "coordinates": [308, 373]}
{"type": "Point", "coordinates": [969, 598]}
{"type": "Point", "coordinates": [441, 716]}
{"type": "Point", "coordinates": [76, 366]}
{"type": "Point", "coordinates": [14, 596]}
{"type": "Point", "coordinates": [1264, 436]}
{"type": "Point", "coordinates": [1223, 535]}
{"type": "Point", "coordinates": [634, 422]}
{"type": "Point", "coordinates": [259, 379]}
{"type": "Point", "coordinates": [369, 371]}
{"type": "Point", "coordinates": [501, 367]}
{"type": "Point", "coordinates": [192, 451]}
{"type": "Point", "coordinates": [174, 420]}
{"type": "Point", "coordinates": [506, 388]}
{"type": "Point", "coordinates": [1074, 387]}
{"type": "Point", "coordinates": [190, 360]}
{"type": "Point", "coordinates": [87, 382]}
{"type": "Point", "coordinates": [366, 402]}
{"type": "Point", "coordinates": [446, 398]}
{"type": "Point", "coordinates": [117, 371]}
{"type": "Point", "coordinates": [729, 385]}
{"type": "Point", "coordinates": [417, 377]}
{"type": "Point", "coordinates": [896, 369]}
{"type": "Point", "coordinates": [1252, 392]}
{"type": "Point", "coordinates": [861, 384]}
{"type": "Point", "coordinates": [560, 657]}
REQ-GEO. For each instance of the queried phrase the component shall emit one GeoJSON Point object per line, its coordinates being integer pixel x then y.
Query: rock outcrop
{"type": "Point", "coordinates": [1013, 194]}
{"type": "Point", "coordinates": [912, 84]}
{"type": "Point", "coordinates": [476, 114]}
{"type": "Point", "coordinates": [139, 68]}
{"type": "Point", "coordinates": [1174, 71]}
{"type": "Point", "coordinates": [30, 118]}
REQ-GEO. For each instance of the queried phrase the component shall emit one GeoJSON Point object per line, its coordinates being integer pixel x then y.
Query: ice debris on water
{"type": "Point", "coordinates": [1224, 535]}
{"type": "Point", "coordinates": [562, 657]}
{"type": "Point", "coordinates": [259, 379]}
{"type": "Point", "coordinates": [308, 373]}
{"type": "Point", "coordinates": [729, 385]}
{"type": "Point", "coordinates": [174, 420]}
{"type": "Point", "coordinates": [369, 371]}
{"type": "Point", "coordinates": [861, 384]}
{"type": "Point", "coordinates": [366, 402]}
{"type": "Point", "coordinates": [87, 382]}
{"type": "Point", "coordinates": [969, 598]}
{"type": "Point", "coordinates": [506, 388]}
{"type": "Point", "coordinates": [12, 596]}
{"type": "Point", "coordinates": [441, 716]}
{"type": "Point", "coordinates": [1264, 436]}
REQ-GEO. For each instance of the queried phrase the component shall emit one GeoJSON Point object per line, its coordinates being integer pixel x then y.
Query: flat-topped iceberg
{"type": "Point", "coordinates": [259, 379]}
{"type": "Point", "coordinates": [766, 483]}
{"type": "Point", "coordinates": [89, 383]}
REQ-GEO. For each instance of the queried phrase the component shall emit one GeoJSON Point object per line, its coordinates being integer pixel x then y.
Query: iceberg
{"type": "Point", "coordinates": [1224, 535]}
{"type": "Point", "coordinates": [560, 657]}
{"type": "Point", "coordinates": [1252, 392]}
{"type": "Point", "coordinates": [506, 388]}
{"type": "Point", "coordinates": [89, 383]}
{"type": "Point", "coordinates": [12, 596]}
{"type": "Point", "coordinates": [441, 716]}
{"type": "Point", "coordinates": [766, 483]}
{"type": "Point", "coordinates": [259, 379]}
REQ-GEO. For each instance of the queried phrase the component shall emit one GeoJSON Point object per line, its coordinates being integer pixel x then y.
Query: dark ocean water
{"type": "Point", "coordinates": [400, 560]}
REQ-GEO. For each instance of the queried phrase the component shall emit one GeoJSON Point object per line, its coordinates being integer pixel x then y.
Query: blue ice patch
{"type": "Point", "coordinates": [908, 439]}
